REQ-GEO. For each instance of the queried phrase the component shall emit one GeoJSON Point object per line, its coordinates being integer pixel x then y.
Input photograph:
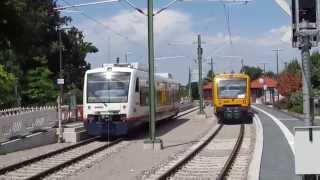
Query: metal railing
{"type": "Point", "coordinates": [18, 110]}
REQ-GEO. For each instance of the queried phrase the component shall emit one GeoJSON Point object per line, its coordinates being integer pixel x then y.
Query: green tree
{"type": "Point", "coordinates": [28, 40]}
{"type": "Point", "coordinates": [253, 72]}
{"type": "Point", "coordinates": [7, 81]}
{"type": "Point", "coordinates": [270, 74]}
{"type": "Point", "coordinates": [75, 50]}
{"type": "Point", "coordinates": [38, 87]}
{"type": "Point", "coordinates": [183, 91]}
{"type": "Point", "coordinates": [194, 91]}
{"type": "Point", "coordinates": [210, 75]}
{"type": "Point", "coordinates": [315, 70]}
{"type": "Point", "coordinates": [293, 67]}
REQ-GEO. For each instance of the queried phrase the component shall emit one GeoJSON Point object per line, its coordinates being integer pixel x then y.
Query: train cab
{"type": "Point", "coordinates": [116, 100]}
{"type": "Point", "coordinates": [231, 97]}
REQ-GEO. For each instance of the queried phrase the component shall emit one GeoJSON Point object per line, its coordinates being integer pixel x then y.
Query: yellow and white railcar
{"type": "Point", "coordinates": [232, 97]}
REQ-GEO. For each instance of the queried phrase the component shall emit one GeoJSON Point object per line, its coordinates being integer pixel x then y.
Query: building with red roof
{"type": "Point", "coordinates": [264, 88]}
{"type": "Point", "coordinates": [207, 91]}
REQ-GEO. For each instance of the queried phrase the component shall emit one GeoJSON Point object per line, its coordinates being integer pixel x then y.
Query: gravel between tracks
{"type": "Point", "coordinates": [133, 161]}
{"type": "Point", "coordinates": [239, 169]}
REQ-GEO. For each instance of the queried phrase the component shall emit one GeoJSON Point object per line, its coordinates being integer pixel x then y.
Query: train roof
{"type": "Point", "coordinates": [132, 66]}
{"type": "Point", "coordinates": [123, 66]}
{"type": "Point", "coordinates": [232, 75]}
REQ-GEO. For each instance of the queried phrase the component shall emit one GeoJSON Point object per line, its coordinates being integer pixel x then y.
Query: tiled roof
{"type": "Point", "coordinates": [271, 83]}
{"type": "Point", "coordinates": [207, 86]}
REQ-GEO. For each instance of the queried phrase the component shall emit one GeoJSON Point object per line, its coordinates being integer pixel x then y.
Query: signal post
{"type": "Point", "coordinates": [305, 28]}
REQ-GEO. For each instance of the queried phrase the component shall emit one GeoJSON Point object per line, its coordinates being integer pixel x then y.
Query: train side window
{"type": "Point", "coordinates": [137, 85]}
{"type": "Point", "coordinates": [144, 96]}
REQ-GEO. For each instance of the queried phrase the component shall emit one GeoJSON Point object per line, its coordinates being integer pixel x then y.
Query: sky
{"type": "Point", "coordinates": [256, 29]}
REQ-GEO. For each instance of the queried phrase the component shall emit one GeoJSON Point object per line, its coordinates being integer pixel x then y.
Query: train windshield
{"type": "Point", "coordinates": [110, 87]}
{"type": "Point", "coordinates": [232, 88]}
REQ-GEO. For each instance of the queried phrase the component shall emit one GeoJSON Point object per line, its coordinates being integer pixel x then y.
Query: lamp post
{"type": "Point", "coordinates": [263, 81]}
{"type": "Point", "coordinates": [277, 60]}
{"type": "Point", "coordinates": [60, 82]}
{"type": "Point", "coordinates": [126, 56]}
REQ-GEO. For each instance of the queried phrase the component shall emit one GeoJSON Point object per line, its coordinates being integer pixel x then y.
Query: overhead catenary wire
{"type": "Point", "coordinates": [102, 24]}
{"type": "Point", "coordinates": [227, 16]}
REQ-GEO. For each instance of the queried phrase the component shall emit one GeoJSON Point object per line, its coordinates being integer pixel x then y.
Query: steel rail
{"type": "Point", "coordinates": [226, 166]}
{"type": "Point", "coordinates": [186, 159]}
{"type": "Point", "coordinates": [27, 162]}
{"type": "Point", "coordinates": [72, 161]}
{"type": "Point", "coordinates": [185, 112]}
{"type": "Point", "coordinates": [44, 156]}
{"type": "Point", "coordinates": [222, 175]}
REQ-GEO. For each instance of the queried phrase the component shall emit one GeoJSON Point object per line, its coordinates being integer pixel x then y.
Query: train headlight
{"type": "Point", "coordinates": [90, 118]}
{"type": "Point", "coordinates": [89, 107]}
{"type": "Point", "coordinates": [123, 117]}
{"type": "Point", "coordinates": [108, 75]}
{"type": "Point", "coordinates": [124, 106]}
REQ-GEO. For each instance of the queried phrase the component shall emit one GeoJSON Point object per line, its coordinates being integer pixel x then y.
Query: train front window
{"type": "Point", "coordinates": [110, 87]}
{"type": "Point", "coordinates": [232, 88]}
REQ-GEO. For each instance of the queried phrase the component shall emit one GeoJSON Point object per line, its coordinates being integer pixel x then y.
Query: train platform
{"type": "Point", "coordinates": [277, 160]}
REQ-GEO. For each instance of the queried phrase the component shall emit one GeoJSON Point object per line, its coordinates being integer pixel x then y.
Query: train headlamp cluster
{"type": "Point", "coordinates": [108, 75]}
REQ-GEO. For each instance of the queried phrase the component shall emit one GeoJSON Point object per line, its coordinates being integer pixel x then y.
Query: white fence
{"type": "Point", "coordinates": [19, 122]}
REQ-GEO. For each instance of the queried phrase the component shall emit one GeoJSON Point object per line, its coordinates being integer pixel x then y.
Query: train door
{"type": "Point", "coordinates": [137, 92]}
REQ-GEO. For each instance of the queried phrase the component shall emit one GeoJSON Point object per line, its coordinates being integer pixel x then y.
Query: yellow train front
{"type": "Point", "coordinates": [231, 97]}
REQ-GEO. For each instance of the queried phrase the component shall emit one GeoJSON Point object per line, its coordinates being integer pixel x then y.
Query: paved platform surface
{"type": "Point", "coordinates": [132, 161]}
{"type": "Point", "coordinates": [277, 158]}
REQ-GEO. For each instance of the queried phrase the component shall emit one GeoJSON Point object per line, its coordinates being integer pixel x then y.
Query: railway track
{"type": "Point", "coordinates": [63, 162]}
{"type": "Point", "coordinates": [216, 156]}
{"type": "Point", "coordinates": [44, 165]}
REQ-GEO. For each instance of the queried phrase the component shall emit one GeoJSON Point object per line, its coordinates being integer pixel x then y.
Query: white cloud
{"type": "Point", "coordinates": [274, 36]}
{"type": "Point", "coordinates": [166, 25]}
{"type": "Point", "coordinates": [175, 26]}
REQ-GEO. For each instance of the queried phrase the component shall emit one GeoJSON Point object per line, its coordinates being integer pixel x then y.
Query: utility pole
{"type": "Point", "coordinates": [277, 56]}
{"type": "Point", "coordinates": [307, 87]}
{"type": "Point", "coordinates": [286, 65]}
{"type": "Point", "coordinates": [264, 68]}
{"type": "Point", "coordinates": [152, 105]}
{"type": "Point", "coordinates": [189, 85]}
{"type": "Point", "coordinates": [211, 68]}
{"type": "Point", "coordinates": [109, 48]}
{"type": "Point", "coordinates": [60, 83]}
{"type": "Point", "coordinates": [264, 82]}
{"type": "Point", "coordinates": [200, 52]}
{"type": "Point", "coordinates": [242, 64]}
{"type": "Point", "coordinates": [117, 60]}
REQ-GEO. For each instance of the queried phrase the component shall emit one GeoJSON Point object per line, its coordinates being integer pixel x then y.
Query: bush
{"type": "Point", "coordinates": [282, 104]}
{"type": "Point", "coordinates": [293, 103]}
{"type": "Point", "coordinates": [296, 102]}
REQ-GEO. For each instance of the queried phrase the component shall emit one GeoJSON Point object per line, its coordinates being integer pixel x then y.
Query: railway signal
{"type": "Point", "coordinates": [305, 28]}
